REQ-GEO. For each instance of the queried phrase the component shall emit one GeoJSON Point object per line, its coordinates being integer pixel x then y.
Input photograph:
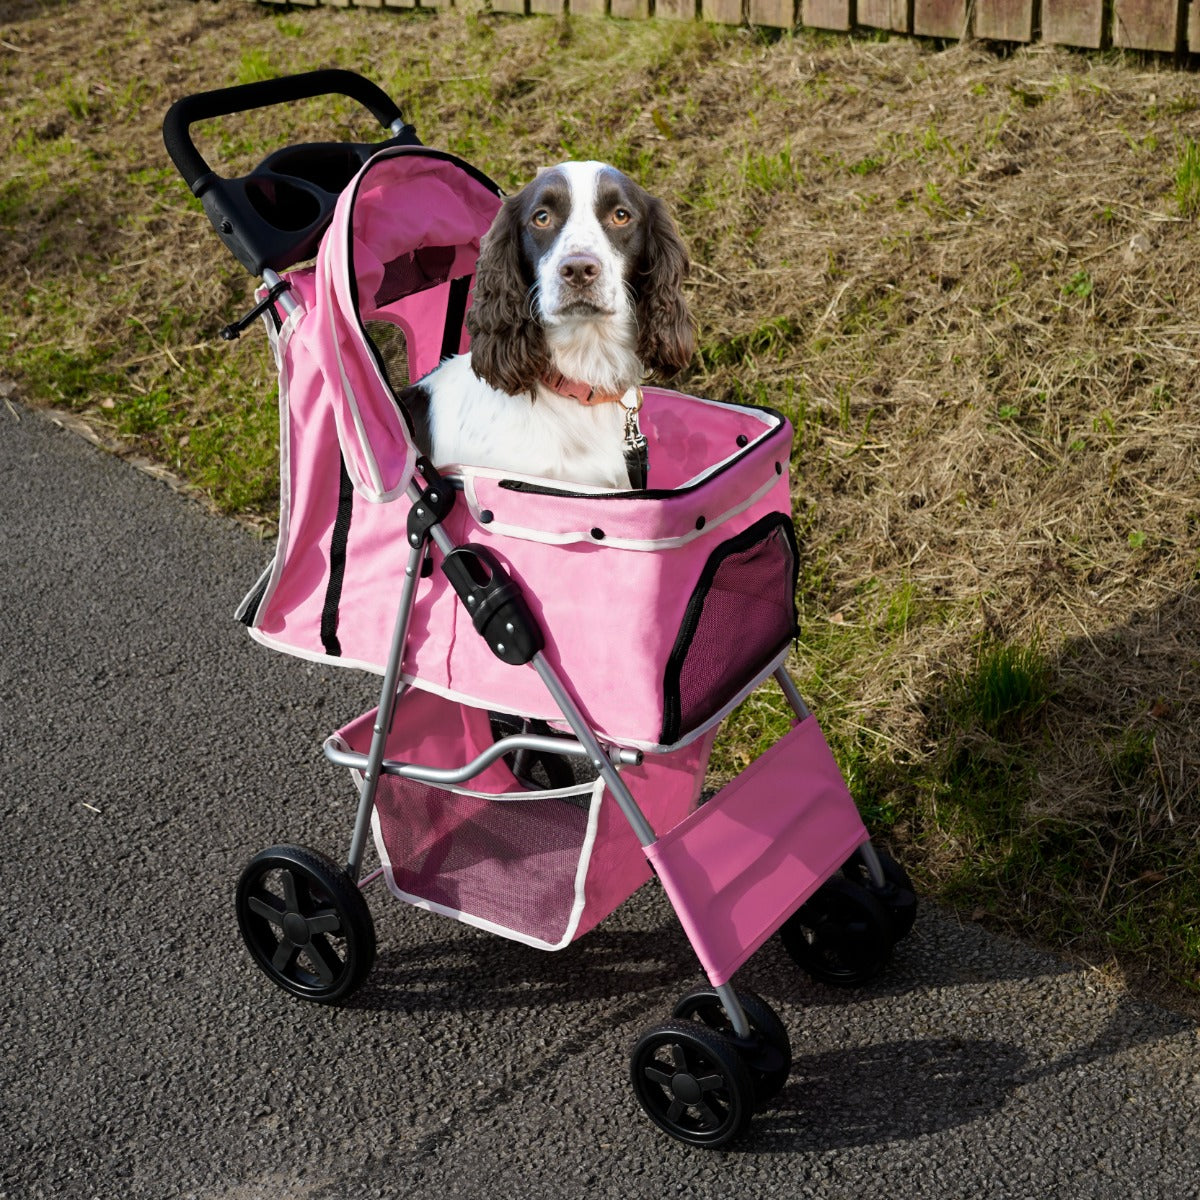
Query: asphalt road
{"type": "Point", "coordinates": [149, 749]}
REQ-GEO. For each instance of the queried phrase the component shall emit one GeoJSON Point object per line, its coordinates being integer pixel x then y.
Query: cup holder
{"type": "Point", "coordinates": [329, 166]}
{"type": "Point", "coordinates": [283, 205]}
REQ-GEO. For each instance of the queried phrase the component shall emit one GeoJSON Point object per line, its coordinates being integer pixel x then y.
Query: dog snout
{"type": "Point", "coordinates": [579, 270]}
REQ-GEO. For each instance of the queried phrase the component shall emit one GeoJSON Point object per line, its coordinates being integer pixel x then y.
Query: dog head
{"type": "Point", "coordinates": [582, 253]}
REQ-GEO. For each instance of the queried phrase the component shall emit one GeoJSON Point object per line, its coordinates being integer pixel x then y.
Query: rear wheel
{"type": "Point", "coordinates": [842, 935]}
{"type": "Point", "coordinates": [305, 923]}
{"type": "Point", "coordinates": [896, 895]}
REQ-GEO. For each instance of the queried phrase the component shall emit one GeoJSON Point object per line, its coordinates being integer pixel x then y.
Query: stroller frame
{"type": "Point", "coordinates": [737, 868]}
{"type": "Point", "coordinates": [373, 764]}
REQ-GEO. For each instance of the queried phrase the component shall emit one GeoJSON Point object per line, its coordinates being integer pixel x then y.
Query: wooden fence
{"type": "Point", "coordinates": [1169, 26]}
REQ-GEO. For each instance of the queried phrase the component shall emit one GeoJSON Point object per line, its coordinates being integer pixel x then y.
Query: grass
{"type": "Point", "coordinates": [987, 355]}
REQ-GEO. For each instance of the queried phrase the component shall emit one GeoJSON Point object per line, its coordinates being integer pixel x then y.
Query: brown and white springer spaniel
{"type": "Point", "coordinates": [578, 294]}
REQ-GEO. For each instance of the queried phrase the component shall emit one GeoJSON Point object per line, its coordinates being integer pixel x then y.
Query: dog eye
{"type": "Point", "coordinates": [621, 216]}
{"type": "Point", "coordinates": [541, 218]}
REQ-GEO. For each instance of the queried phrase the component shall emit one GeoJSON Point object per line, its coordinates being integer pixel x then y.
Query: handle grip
{"type": "Point", "coordinates": [222, 102]}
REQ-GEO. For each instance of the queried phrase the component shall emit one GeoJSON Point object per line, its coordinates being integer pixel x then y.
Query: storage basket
{"type": "Point", "coordinates": [539, 866]}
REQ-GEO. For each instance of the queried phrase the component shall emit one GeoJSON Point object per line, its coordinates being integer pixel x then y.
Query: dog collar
{"type": "Point", "coordinates": [574, 389]}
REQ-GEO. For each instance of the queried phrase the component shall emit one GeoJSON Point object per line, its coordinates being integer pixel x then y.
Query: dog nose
{"type": "Point", "coordinates": [580, 270]}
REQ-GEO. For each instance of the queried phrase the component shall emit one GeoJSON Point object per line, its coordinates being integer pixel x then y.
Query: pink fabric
{"type": "Point", "coordinates": [610, 575]}
{"type": "Point", "coordinates": [401, 201]}
{"type": "Point", "coordinates": [512, 864]}
{"type": "Point", "coordinates": [739, 866]}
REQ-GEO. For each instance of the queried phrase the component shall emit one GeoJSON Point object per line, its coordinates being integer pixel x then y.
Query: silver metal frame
{"type": "Point", "coordinates": [605, 761]}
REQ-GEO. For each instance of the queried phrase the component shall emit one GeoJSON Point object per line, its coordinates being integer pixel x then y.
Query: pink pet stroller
{"type": "Point", "coordinates": [555, 661]}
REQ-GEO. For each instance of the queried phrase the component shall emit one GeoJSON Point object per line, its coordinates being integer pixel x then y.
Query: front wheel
{"type": "Point", "coordinates": [692, 1083]}
{"type": "Point", "coordinates": [768, 1051]}
{"type": "Point", "coordinates": [305, 923]}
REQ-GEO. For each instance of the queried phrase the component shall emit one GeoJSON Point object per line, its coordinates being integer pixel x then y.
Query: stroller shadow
{"type": "Point", "coordinates": [1096, 785]}
{"type": "Point", "coordinates": [891, 1090]}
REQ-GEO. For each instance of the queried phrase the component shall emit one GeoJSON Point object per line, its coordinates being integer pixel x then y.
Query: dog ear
{"type": "Point", "coordinates": [508, 346]}
{"type": "Point", "coordinates": [666, 333]}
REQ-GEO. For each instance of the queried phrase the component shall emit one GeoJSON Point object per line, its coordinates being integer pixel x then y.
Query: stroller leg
{"type": "Point", "coordinates": [792, 692]}
{"type": "Point", "coordinates": [387, 707]}
{"type": "Point", "coordinates": [734, 1010]}
{"type": "Point", "coordinates": [600, 761]}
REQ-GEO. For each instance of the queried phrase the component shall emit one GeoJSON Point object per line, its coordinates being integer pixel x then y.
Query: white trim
{"type": "Point", "coordinates": [527, 534]}
{"type": "Point", "coordinates": [279, 340]}
{"type": "Point", "coordinates": [555, 716]}
{"type": "Point", "coordinates": [728, 707]}
{"type": "Point", "coordinates": [375, 492]}
{"type": "Point", "coordinates": [580, 894]}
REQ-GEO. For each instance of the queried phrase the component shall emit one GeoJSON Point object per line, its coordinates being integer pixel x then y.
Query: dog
{"type": "Point", "coordinates": [578, 295]}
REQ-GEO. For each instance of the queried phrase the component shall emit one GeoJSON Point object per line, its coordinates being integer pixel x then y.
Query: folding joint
{"type": "Point", "coordinates": [434, 504]}
{"type": "Point", "coordinates": [231, 333]}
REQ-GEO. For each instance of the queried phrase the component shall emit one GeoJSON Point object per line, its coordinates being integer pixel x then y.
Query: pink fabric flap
{"type": "Point", "coordinates": [739, 866]}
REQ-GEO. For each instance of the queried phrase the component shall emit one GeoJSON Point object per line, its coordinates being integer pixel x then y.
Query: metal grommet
{"type": "Point", "coordinates": [700, 522]}
{"type": "Point", "coordinates": [486, 516]}
{"type": "Point", "coordinates": [598, 534]}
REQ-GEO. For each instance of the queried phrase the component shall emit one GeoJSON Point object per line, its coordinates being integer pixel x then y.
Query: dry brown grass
{"type": "Point", "coordinates": [967, 278]}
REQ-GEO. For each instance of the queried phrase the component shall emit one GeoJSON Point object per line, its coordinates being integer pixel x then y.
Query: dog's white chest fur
{"type": "Point", "coordinates": [550, 435]}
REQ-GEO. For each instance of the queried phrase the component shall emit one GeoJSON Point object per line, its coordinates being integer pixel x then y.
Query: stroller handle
{"type": "Point", "coordinates": [222, 102]}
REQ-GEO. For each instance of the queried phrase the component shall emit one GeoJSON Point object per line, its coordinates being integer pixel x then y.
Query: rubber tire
{"type": "Point", "coordinates": [841, 936]}
{"type": "Point", "coordinates": [320, 904]}
{"type": "Point", "coordinates": [692, 1083]}
{"type": "Point", "coordinates": [768, 1054]}
{"type": "Point", "coordinates": [897, 894]}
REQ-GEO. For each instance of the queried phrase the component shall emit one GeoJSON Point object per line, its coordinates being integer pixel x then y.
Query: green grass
{"type": "Point", "coordinates": [1187, 179]}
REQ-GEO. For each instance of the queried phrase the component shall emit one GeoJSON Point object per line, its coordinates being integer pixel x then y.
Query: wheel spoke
{"type": "Point", "coordinates": [708, 1118]}
{"type": "Point", "coordinates": [659, 1076]}
{"type": "Point", "coordinates": [267, 906]}
{"type": "Point", "coordinates": [290, 894]}
{"type": "Point", "coordinates": [324, 958]}
{"type": "Point", "coordinates": [677, 1109]}
{"type": "Point", "coordinates": [285, 957]}
{"type": "Point", "coordinates": [711, 1083]}
{"type": "Point", "coordinates": [326, 920]}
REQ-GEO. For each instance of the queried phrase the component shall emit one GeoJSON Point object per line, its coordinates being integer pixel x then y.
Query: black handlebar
{"type": "Point", "coordinates": [275, 216]}
{"type": "Point", "coordinates": [243, 97]}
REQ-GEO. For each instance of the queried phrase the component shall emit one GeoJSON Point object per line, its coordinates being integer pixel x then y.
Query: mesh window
{"type": "Point", "coordinates": [741, 615]}
{"type": "Point", "coordinates": [512, 863]}
{"type": "Point", "coordinates": [392, 347]}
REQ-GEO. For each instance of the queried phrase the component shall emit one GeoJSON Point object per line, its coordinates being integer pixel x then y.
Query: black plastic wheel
{"type": "Point", "coordinates": [768, 1052]}
{"type": "Point", "coordinates": [692, 1083]}
{"type": "Point", "coordinates": [841, 936]}
{"type": "Point", "coordinates": [897, 894]}
{"type": "Point", "coordinates": [305, 923]}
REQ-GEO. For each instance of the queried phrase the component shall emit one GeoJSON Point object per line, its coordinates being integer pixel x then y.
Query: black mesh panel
{"type": "Point", "coordinates": [741, 615]}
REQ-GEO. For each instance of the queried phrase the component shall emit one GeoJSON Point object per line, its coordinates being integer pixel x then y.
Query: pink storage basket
{"type": "Point", "coordinates": [541, 867]}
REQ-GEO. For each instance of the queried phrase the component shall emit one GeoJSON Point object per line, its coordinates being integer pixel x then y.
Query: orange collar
{"type": "Point", "coordinates": [573, 389]}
